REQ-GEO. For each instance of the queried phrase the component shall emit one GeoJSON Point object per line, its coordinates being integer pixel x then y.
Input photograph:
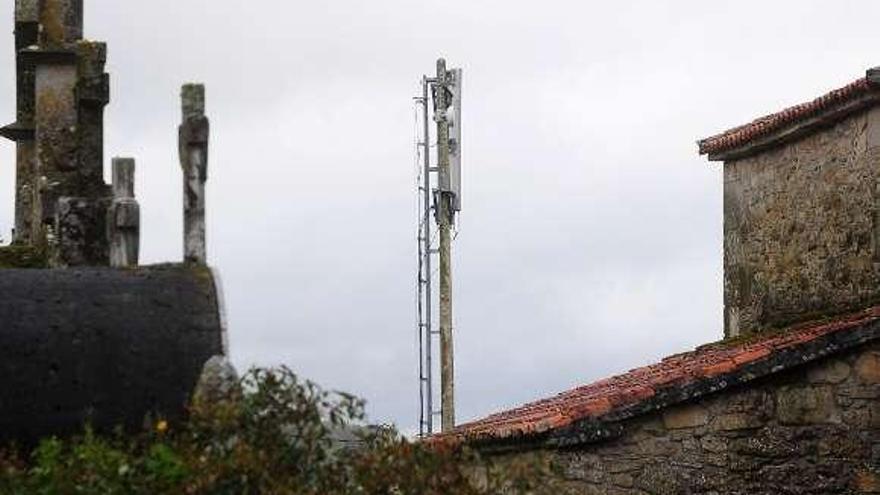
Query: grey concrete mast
{"type": "Point", "coordinates": [444, 201]}
{"type": "Point", "coordinates": [193, 139]}
{"type": "Point", "coordinates": [445, 214]}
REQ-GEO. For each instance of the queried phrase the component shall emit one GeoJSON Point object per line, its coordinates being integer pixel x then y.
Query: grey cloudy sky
{"type": "Point", "coordinates": [591, 236]}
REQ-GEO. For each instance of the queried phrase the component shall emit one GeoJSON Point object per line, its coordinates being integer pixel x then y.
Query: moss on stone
{"type": "Point", "coordinates": [203, 275]}
{"type": "Point", "coordinates": [22, 257]}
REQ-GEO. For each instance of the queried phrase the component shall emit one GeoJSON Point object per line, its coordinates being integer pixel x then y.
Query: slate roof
{"type": "Point", "coordinates": [839, 99]}
{"type": "Point", "coordinates": [589, 413]}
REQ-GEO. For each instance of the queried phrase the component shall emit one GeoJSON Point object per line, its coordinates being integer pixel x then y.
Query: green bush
{"type": "Point", "coordinates": [276, 437]}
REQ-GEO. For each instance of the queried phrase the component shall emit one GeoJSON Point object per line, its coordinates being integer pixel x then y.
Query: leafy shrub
{"type": "Point", "coordinates": [276, 437]}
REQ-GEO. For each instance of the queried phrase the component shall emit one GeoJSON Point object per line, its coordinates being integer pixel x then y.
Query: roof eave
{"type": "Point", "coordinates": [585, 431]}
{"type": "Point", "coordinates": [611, 425]}
{"type": "Point", "coordinates": [822, 120]}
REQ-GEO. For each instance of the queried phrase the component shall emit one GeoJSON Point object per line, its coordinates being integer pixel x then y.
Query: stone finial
{"type": "Point", "coordinates": [193, 101]}
{"type": "Point", "coordinates": [27, 11]}
{"type": "Point", "coordinates": [193, 149]}
{"type": "Point", "coordinates": [61, 21]}
{"type": "Point", "coordinates": [123, 223]}
{"type": "Point", "coordinates": [123, 178]}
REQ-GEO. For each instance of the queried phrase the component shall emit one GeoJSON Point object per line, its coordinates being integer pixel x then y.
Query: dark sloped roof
{"type": "Point", "coordinates": [841, 98]}
{"type": "Point", "coordinates": [584, 414]}
{"type": "Point", "coordinates": [102, 345]}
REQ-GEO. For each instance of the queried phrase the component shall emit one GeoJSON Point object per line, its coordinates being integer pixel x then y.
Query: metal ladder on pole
{"type": "Point", "coordinates": [426, 333]}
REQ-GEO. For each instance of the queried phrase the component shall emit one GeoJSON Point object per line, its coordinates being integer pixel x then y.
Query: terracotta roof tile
{"type": "Point", "coordinates": [639, 386]}
{"type": "Point", "coordinates": [764, 126]}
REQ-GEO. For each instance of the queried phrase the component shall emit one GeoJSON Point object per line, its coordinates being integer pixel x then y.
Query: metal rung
{"type": "Point", "coordinates": [433, 169]}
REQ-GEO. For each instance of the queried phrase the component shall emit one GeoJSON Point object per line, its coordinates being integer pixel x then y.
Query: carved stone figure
{"type": "Point", "coordinates": [124, 217]}
{"type": "Point", "coordinates": [193, 141]}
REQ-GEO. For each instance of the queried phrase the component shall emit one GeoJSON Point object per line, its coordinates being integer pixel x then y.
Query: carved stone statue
{"type": "Point", "coordinates": [193, 141]}
{"type": "Point", "coordinates": [124, 216]}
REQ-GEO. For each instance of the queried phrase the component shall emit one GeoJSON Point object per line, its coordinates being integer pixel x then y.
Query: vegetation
{"type": "Point", "coordinates": [275, 435]}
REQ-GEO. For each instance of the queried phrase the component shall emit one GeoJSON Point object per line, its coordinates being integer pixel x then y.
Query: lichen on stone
{"type": "Point", "coordinates": [22, 257]}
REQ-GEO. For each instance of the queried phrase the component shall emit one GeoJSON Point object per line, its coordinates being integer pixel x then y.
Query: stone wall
{"type": "Point", "coordinates": [813, 430]}
{"type": "Point", "coordinates": [799, 228]}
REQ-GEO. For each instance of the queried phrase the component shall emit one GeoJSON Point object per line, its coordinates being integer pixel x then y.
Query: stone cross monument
{"type": "Point", "coordinates": [124, 219]}
{"type": "Point", "coordinates": [193, 141]}
{"type": "Point", "coordinates": [65, 214]}
{"type": "Point", "coordinates": [61, 197]}
{"type": "Point", "coordinates": [83, 338]}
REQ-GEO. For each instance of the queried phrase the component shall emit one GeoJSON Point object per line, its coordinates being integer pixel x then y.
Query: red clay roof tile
{"type": "Point", "coordinates": [764, 126]}
{"type": "Point", "coordinates": [614, 394]}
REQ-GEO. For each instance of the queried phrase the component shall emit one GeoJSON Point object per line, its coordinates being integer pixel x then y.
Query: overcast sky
{"type": "Point", "coordinates": [590, 238]}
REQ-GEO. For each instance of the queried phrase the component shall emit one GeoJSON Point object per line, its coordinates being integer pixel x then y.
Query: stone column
{"type": "Point", "coordinates": [66, 208]}
{"type": "Point", "coordinates": [193, 148]}
{"type": "Point", "coordinates": [61, 22]}
{"type": "Point", "coordinates": [27, 29]}
{"type": "Point", "coordinates": [56, 124]}
{"type": "Point", "coordinates": [93, 91]}
{"type": "Point", "coordinates": [124, 216]}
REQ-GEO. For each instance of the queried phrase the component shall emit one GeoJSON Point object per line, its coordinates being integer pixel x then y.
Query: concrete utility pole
{"type": "Point", "coordinates": [193, 141]}
{"type": "Point", "coordinates": [440, 193]}
{"type": "Point", "coordinates": [444, 218]}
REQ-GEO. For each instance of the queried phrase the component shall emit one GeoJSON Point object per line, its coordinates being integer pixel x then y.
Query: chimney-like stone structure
{"type": "Point", "coordinates": [61, 198]}
{"type": "Point", "coordinates": [193, 142]}
{"type": "Point", "coordinates": [802, 210]}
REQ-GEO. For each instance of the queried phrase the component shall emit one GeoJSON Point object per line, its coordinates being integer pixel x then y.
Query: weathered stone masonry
{"type": "Point", "coordinates": [811, 430]}
{"type": "Point", "coordinates": [800, 229]}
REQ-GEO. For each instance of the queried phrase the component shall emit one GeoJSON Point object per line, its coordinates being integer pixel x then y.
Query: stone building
{"type": "Point", "coordinates": [86, 333]}
{"type": "Point", "coordinates": [789, 401]}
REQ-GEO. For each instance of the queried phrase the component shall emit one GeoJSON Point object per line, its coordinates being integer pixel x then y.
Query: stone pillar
{"type": "Point", "coordinates": [27, 29]}
{"type": "Point", "coordinates": [70, 204]}
{"type": "Point", "coordinates": [193, 148]}
{"type": "Point", "coordinates": [124, 217]}
{"type": "Point", "coordinates": [56, 123]}
{"type": "Point", "coordinates": [61, 22]}
{"type": "Point", "coordinates": [61, 197]}
{"type": "Point", "coordinates": [93, 92]}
